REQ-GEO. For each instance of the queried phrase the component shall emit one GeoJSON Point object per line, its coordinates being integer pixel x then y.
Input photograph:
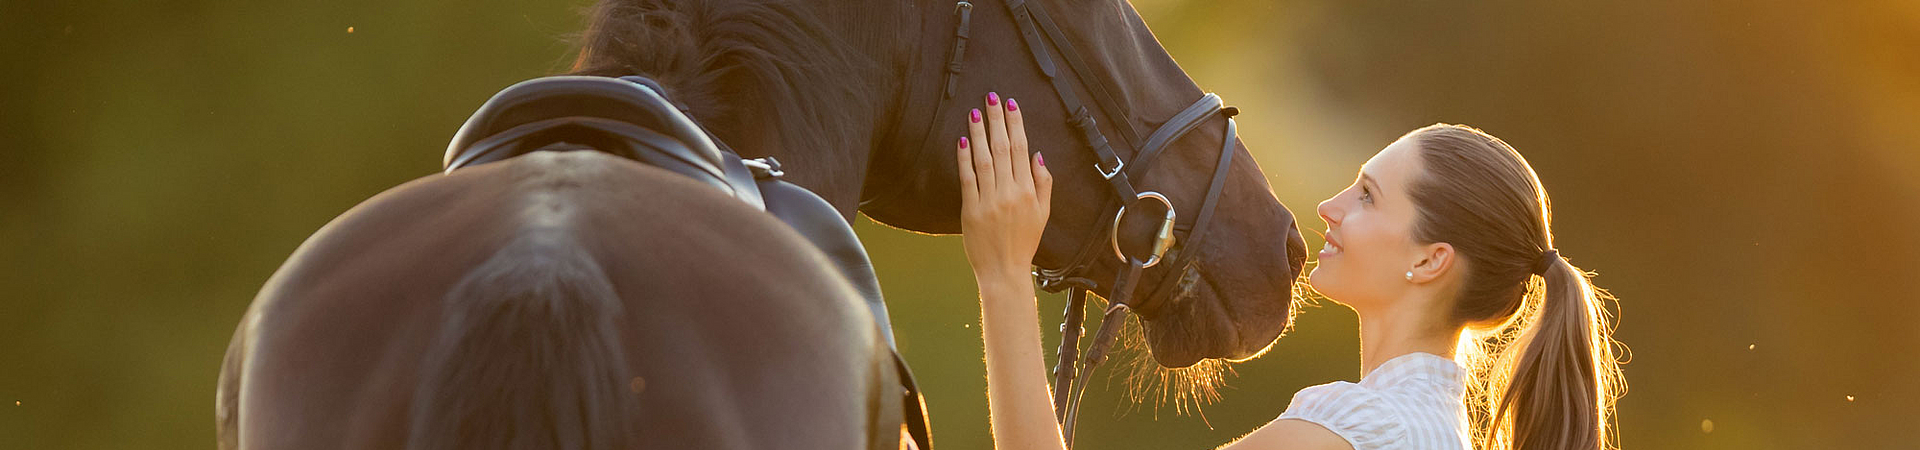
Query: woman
{"type": "Point", "coordinates": [1442, 246]}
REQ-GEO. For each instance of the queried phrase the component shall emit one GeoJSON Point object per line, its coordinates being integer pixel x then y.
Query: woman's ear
{"type": "Point", "coordinates": [1436, 260]}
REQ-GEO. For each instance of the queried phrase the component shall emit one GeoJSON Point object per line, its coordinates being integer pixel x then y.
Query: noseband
{"type": "Point", "coordinates": [1037, 29]}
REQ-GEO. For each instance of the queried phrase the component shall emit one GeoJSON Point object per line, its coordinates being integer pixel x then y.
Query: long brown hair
{"type": "Point", "coordinates": [1538, 337]}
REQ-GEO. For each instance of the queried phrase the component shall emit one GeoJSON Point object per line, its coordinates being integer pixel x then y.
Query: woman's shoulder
{"type": "Point", "coordinates": [1360, 415]}
{"type": "Point", "coordinates": [1411, 413]}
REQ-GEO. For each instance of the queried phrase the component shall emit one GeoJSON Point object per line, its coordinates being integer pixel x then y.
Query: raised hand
{"type": "Point", "coordinates": [1005, 191]}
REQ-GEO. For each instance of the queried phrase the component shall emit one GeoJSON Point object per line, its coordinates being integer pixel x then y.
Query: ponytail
{"type": "Point", "coordinates": [1564, 377]}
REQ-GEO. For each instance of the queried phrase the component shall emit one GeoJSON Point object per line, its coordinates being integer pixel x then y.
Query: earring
{"type": "Point", "coordinates": [1409, 275]}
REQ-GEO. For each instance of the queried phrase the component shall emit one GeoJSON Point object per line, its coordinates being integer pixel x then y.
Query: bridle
{"type": "Point", "coordinates": [1037, 29]}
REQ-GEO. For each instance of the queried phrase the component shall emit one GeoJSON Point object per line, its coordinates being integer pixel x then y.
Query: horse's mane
{"type": "Point", "coordinates": [717, 56]}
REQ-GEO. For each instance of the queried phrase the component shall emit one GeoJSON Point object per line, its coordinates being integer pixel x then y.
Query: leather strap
{"type": "Point", "coordinates": [1064, 370]}
{"type": "Point", "coordinates": [1093, 85]}
{"type": "Point", "coordinates": [1182, 123]}
{"type": "Point", "coordinates": [1110, 323]}
{"type": "Point", "coordinates": [1109, 164]}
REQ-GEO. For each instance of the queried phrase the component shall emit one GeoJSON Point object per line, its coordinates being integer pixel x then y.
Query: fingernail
{"type": "Point", "coordinates": [976, 115]}
{"type": "Point", "coordinates": [1013, 105]}
{"type": "Point", "coordinates": [993, 98]}
{"type": "Point", "coordinates": [1040, 157]}
{"type": "Point", "coordinates": [963, 142]}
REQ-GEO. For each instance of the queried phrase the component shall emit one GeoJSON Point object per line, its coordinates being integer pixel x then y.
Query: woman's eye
{"type": "Point", "coordinates": [1365, 195]}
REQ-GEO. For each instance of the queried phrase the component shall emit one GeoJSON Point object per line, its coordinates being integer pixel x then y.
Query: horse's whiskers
{"type": "Point", "coordinates": [1188, 388]}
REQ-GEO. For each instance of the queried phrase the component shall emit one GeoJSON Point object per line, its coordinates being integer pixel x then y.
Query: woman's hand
{"type": "Point", "coordinates": [1004, 195]}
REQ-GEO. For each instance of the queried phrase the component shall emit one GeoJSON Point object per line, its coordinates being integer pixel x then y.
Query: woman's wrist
{"type": "Point", "coordinates": [1006, 294]}
{"type": "Point", "coordinates": [1004, 283]}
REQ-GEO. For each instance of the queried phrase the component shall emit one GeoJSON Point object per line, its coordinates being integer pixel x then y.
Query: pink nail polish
{"type": "Point", "coordinates": [963, 142]}
{"type": "Point", "coordinates": [1038, 157]}
{"type": "Point", "coordinates": [993, 98]}
{"type": "Point", "coordinates": [1013, 105]}
{"type": "Point", "coordinates": [976, 115]}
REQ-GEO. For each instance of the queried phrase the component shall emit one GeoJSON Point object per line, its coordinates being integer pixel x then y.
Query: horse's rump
{"type": "Point", "coordinates": [528, 356]}
{"type": "Point", "coordinates": [557, 300]}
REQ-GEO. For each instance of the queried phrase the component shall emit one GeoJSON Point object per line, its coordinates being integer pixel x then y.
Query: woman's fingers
{"type": "Point", "coordinates": [1042, 180]}
{"type": "Point", "coordinates": [1017, 143]}
{"type": "Point", "coordinates": [996, 152]}
{"type": "Point", "coordinates": [969, 188]}
{"type": "Point", "coordinates": [997, 139]}
{"type": "Point", "coordinates": [983, 162]}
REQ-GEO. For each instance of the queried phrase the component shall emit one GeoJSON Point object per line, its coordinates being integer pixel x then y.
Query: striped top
{"type": "Point", "coordinates": [1413, 401]}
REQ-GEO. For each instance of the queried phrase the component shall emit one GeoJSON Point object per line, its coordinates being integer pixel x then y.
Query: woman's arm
{"type": "Point", "coordinates": [1290, 434]}
{"type": "Point", "coordinates": [1019, 404]}
{"type": "Point", "coordinates": [1004, 199]}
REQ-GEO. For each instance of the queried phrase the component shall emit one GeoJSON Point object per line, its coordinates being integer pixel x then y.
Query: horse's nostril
{"type": "Point", "coordinates": [1296, 250]}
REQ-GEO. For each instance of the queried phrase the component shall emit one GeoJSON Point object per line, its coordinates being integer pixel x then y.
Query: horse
{"type": "Point", "coordinates": [580, 299]}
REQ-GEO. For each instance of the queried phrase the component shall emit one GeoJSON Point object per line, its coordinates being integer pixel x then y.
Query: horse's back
{"type": "Point", "coordinates": [556, 300]}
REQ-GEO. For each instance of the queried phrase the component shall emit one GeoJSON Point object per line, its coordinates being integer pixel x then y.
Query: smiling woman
{"type": "Point", "coordinates": [1472, 218]}
{"type": "Point", "coordinates": [1437, 245]}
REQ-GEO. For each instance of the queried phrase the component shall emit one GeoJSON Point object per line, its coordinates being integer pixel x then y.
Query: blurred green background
{"type": "Point", "coordinates": [1742, 174]}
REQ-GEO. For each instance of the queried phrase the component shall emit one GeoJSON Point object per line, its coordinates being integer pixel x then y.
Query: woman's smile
{"type": "Point", "coordinates": [1331, 248]}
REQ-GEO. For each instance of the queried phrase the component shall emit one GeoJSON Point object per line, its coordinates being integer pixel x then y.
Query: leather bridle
{"type": "Point", "coordinates": [1037, 29]}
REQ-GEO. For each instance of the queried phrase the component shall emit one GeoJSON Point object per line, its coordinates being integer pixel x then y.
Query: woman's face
{"type": "Point", "coordinates": [1369, 235]}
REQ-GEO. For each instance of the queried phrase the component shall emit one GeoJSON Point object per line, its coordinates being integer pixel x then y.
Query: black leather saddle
{"type": "Point", "coordinates": [624, 118]}
{"type": "Point", "coordinates": [632, 118]}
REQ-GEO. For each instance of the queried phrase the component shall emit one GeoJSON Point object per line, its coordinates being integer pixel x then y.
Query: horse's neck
{"type": "Point", "coordinates": [906, 164]}
{"type": "Point", "coordinates": [835, 174]}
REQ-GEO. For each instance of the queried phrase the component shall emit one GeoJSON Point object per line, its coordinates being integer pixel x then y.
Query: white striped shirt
{"type": "Point", "coordinates": [1413, 401]}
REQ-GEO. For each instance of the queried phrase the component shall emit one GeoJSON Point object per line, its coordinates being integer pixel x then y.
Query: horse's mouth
{"type": "Point", "coordinates": [1212, 314]}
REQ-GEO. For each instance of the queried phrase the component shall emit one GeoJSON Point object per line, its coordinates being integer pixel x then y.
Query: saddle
{"type": "Point", "coordinates": [632, 118]}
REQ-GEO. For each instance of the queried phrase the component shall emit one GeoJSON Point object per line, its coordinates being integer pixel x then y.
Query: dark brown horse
{"type": "Point", "coordinates": [582, 300]}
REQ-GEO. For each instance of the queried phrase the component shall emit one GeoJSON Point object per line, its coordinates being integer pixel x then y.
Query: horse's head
{"type": "Point", "coordinates": [1233, 300]}
{"type": "Point", "coordinates": [859, 113]}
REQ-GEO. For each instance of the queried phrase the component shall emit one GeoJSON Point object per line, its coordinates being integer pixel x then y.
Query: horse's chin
{"type": "Point", "coordinates": [1199, 325]}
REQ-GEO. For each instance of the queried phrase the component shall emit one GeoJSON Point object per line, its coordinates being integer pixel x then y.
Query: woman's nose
{"type": "Point", "coordinates": [1328, 211]}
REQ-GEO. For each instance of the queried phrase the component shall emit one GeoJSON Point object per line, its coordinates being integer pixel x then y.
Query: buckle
{"type": "Point", "coordinates": [1117, 167]}
{"type": "Point", "coordinates": [764, 167]}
